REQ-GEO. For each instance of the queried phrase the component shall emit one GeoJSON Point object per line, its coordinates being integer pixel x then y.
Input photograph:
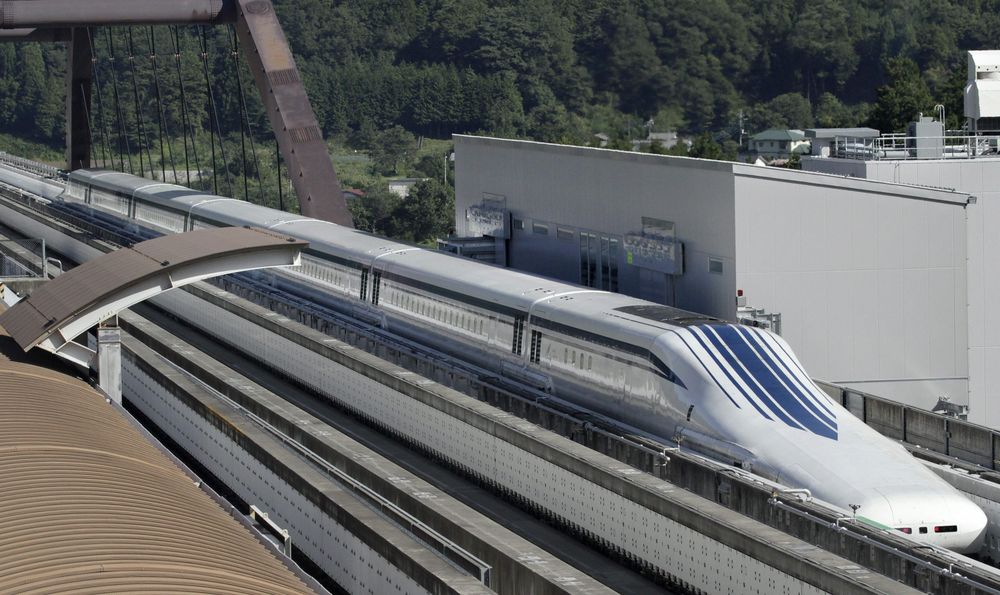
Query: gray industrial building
{"type": "Point", "coordinates": [928, 155]}
{"type": "Point", "coordinates": [869, 278]}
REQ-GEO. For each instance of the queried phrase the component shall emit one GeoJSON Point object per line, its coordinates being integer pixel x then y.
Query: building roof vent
{"type": "Point", "coordinates": [982, 91]}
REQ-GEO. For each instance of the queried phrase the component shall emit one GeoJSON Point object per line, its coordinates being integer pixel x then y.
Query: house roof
{"type": "Point", "coordinates": [779, 134]}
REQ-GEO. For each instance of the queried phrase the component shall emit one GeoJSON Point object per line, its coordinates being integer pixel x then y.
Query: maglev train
{"type": "Point", "coordinates": [734, 393]}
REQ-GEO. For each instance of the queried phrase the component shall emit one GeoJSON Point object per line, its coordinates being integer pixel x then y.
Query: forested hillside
{"type": "Point", "coordinates": [555, 70]}
{"type": "Point", "coordinates": [561, 69]}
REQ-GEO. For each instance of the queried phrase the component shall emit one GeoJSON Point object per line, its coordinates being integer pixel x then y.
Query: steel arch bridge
{"type": "Point", "coordinates": [263, 44]}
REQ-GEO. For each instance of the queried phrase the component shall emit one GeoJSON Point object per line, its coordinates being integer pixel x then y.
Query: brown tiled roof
{"type": "Point", "coordinates": [64, 297]}
{"type": "Point", "coordinates": [87, 504]}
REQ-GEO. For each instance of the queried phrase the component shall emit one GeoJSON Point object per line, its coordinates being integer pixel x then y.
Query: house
{"type": "Point", "coordinates": [401, 186]}
{"type": "Point", "coordinates": [776, 143]}
{"type": "Point", "coordinates": [667, 140]}
{"type": "Point", "coordinates": [352, 194]}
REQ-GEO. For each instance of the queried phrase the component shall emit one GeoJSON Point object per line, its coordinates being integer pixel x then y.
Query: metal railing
{"type": "Point", "coordinates": [902, 147]}
{"type": "Point", "coordinates": [41, 169]}
{"type": "Point", "coordinates": [968, 442]}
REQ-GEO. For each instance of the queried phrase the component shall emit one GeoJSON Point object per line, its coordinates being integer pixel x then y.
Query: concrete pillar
{"type": "Point", "coordinates": [79, 77]}
{"type": "Point", "coordinates": [109, 359]}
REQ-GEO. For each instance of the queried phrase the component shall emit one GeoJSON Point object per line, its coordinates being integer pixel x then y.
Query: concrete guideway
{"type": "Point", "coordinates": [523, 566]}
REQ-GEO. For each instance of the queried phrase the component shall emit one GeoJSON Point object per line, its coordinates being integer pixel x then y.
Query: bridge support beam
{"type": "Point", "coordinates": [30, 34]}
{"type": "Point", "coordinates": [109, 359]}
{"type": "Point", "coordinates": [79, 78]}
{"type": "Point", "coordinates": [300, 139]}
{"type": "Point", "coordinates": [15, 14]}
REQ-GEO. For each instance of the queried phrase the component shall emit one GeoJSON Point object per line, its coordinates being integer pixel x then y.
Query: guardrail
{"type": "Point", "coordinates": [28, 165]}
{"type": "Point", "coordinates": [949, 436]}
{"type": "Point", "coordinates": [902, 147]}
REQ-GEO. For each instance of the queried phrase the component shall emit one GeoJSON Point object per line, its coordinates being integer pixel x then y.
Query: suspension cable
{"type": "Point", "coordinates": [215, 113]}
{"type": "Point", "coordinates": [164, 126]}
{"type": "Point", "coordinates": [143, 139]}
{"type": "Point", "coordinates": [188, 126]}
{"type": "Point", "coordinates": [243, 136]}
{"type": "Point", "coordinates": [246, 113]}
{"type": "Point", "coordinates": [122, 133]}
{"type": "Point", "coordinates": [95, 68]}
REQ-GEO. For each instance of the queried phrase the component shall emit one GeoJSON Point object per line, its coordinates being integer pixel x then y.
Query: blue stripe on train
{"type": "Point", "coordinates": [791, 384]}
{"type": "Point", "coordinates": [786, 405]}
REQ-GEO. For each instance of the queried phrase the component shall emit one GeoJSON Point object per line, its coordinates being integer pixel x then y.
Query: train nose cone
{"type": "Point", "coordinates": [971, 522]}
{"type": "Point", "coordinates": [948, 520]}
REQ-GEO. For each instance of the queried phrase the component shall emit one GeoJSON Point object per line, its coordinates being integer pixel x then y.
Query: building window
{"type": "Point", "coordinates": [613, 259]}
{"type": "Point", "coordinates": [605, 263]}
{"type": "Point", "coordinates": [518, 224]}
{"type": "Point", "coordinates": [540, 229]}
{"type": "Point", "coordinates": [599, 261]}
{"type": "Point", "coordinates": [715, 265]}
{"type": "Point", "coordinates": [588, 259]}
{"type": "Point", "coordinates": [564, 234]}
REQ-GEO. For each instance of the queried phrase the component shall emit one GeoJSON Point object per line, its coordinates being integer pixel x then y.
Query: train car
{"type": "Point", "coordinates": [734, 393]}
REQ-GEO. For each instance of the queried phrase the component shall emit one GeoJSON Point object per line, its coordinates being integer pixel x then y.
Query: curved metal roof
{"type": "Point", "coordinates": [73, 302]}
{"type": "Point", "coordinates": [87, 504]}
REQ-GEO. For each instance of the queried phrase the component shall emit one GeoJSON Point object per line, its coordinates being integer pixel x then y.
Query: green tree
{"type": "Point", "coordinates": [791, 110]}
{"type": "Point", "coordinates": [374, 212]}
{"type": "Point", "coordinates": [832, 113]}
{"type": "Point", "coordinates": [427, 213]}
{"type": "Point", "coordinates": [904, 95]}
{"type": "Point", "coordinates": [705, 147]}
{"type": "Point", "coordinates": [392, 148]}
{"type": "Point", "coordinates": [822, 44]}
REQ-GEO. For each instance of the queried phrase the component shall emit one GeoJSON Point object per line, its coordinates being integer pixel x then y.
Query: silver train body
{"type": "Point", "coordinates": [735, 393]}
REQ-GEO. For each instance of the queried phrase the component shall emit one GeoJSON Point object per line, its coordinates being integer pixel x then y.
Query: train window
{"type": "Point", "coordinates": [540, 229]}
{"type": "Point", "coordinates": [536, 347]}
{"type": "Point", "coordinates": [590, 362]}
{"type": "Point", "coordinates": [515, 345]}
{"type": "Point", "coordinates": [923, 530]}
{"type": "Point", "coordinates": [565, 355]}
{"type": "Point", "coordinates": [946, 529]}
{"type": "Point", "coordinates": [376, 286]}
{"type": "Point", "coordinates": [906, 530]}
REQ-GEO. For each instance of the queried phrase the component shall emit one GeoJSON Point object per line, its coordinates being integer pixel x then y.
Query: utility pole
{"type": "Point", "coordinates": [742, 131]}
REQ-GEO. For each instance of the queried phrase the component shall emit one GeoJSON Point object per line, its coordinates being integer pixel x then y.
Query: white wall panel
{"type": "Point", "coordinates": [857, 278]}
